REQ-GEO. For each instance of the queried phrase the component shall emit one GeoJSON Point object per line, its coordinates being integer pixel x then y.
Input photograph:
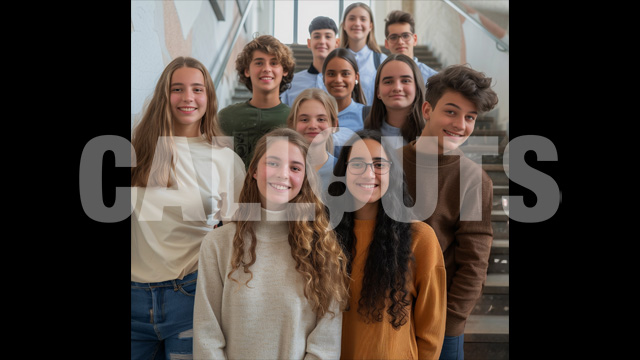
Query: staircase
{"type": "Point", "coordinates": [487, 330]}
{"type": "Point", "coordinates": [303, 56]}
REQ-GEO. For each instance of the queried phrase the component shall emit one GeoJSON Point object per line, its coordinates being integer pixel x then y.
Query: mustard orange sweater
{"type": "Point", "coordinates": [422, 336]}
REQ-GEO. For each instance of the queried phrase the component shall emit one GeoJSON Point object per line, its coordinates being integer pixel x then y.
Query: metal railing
{"type": "Point", "coordinates": [500, 45]}
{"type": "Point", "coordinates": [222, 60]}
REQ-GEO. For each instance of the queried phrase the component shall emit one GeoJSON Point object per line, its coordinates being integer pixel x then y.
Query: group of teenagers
{"type": "Point", "coordinates": [304, 223]}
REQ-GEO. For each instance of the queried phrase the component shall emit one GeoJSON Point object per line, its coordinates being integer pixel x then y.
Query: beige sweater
{"type": "Point", "coordinates": [270, 319]}
{"type": "Point", "coordinates": [167, 225]}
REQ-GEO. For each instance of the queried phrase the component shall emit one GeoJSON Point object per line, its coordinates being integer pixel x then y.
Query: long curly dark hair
{"type": "Point", "coordinates": [388, 267]}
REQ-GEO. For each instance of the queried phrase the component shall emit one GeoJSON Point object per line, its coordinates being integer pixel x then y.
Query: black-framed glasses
{"type": "Point", "coordinates": [358, 167]}
{"type": "Point", "coordinates": [405, 37]}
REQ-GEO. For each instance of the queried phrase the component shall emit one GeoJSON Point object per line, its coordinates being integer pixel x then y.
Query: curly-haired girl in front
{"type": "Point", "coordinates": [273, 282]}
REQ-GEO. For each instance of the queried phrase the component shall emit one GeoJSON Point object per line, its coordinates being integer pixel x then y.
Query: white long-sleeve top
{"type": "Point", "coordinates": [270, 319]}
{"type": "Point", "coordinates": [168, 224]}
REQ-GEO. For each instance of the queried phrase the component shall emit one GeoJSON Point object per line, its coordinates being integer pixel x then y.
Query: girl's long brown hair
{"type": "Point", "coordinates": [153, 136]}
{"type": "Point", "coordinates": [371, 37]}
{"type": "Point", "coordinates": [314, 247]}
{"type": "Point", "coordinates": [414, 123]}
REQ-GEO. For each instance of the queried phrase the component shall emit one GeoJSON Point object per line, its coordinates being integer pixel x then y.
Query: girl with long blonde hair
{"type": "Point", "coordinates": [273, 282]}
{"type": "Point", "coordinates": [183, 183]}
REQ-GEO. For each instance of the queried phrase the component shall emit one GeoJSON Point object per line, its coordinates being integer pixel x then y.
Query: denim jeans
{"type": "Point", "coordinates": [452, 348]}
{"type": "Point", "coordinates": [162, 319]}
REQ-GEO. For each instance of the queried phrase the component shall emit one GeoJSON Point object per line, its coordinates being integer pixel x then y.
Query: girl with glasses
{"type": "Point", "coordinates": [397, 301]}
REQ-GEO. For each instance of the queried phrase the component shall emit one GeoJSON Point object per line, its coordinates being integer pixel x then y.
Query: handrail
{"type": "Point", "coordinates": [505, 46]}
{"type": "Point", "coordinates": [225, 58]}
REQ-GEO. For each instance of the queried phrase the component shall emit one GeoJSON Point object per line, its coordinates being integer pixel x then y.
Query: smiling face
{"type": "Point", "coordinates": [400, 46]}
{"type": "Point", "coordinates": [188, 100]}
{"type": "Point", "coordinates": [280, 174]}
{"type": "Point", "coordinates": [452, 120]}
{"type": "Point", "coordinates": [340, 78]}
{"type": "Point", "coordinates": [367, 188]}
{"type": "Point", "coordinates": [397, 88]}
{"type": "Point", "coordinates": [312, 118]}
{"type": "Point", "coordinates": [265, 72]}
{"type": "Point", "coordinates": [322, 42]}
{"type": "Point", "coordinates": [357, 24]}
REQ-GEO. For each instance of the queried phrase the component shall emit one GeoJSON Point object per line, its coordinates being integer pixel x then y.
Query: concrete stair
{"type": "Point", "coordinates": [240, 94]}
{"type": "Point", "coordinates": [487, 329]}
{"type": "Point", "coordinates": [424, 55]}
{"type": "Point", "coordinates": [303, 56]}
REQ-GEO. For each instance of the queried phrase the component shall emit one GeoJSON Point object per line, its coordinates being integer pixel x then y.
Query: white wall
{"type": "Point", "coordinates": [164, 30]}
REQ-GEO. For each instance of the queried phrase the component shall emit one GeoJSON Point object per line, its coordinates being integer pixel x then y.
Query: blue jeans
{"type": "Point", "coordinates": [162, 319]}
{"type": "Point", "coordinates": [452, 348]}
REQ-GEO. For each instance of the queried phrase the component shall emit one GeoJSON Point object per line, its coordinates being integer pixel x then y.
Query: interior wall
{"type": "Point", "coordinates": [164, 30]}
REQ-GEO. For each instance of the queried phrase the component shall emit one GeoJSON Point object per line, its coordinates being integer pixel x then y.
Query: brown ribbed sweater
{"type": "Point", "coordinates": [465, 235]}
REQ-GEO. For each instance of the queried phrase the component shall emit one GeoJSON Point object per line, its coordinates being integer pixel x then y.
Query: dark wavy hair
{"type": "Point", "coordinates": [388, 269]}
{"type": "Point", "coordinates": [462, 78]}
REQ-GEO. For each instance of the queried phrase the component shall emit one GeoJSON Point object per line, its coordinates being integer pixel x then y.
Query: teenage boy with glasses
{"type": "Point", "coordinates": [400, 38]}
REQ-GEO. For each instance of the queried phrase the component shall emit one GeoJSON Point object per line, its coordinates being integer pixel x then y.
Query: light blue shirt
{"type": "Point", "coordinates": [349, 121]}
{"type": "Point", "coordinates": [325, 173]}
{"type": "Point", "coordinates": [425, 70]}
{"type": "Point", "coordinates": [302, 80]}
{"type": "Point", "coordinates": [388, 130]}
{"type": "Point", "coordinates": [367, 71]}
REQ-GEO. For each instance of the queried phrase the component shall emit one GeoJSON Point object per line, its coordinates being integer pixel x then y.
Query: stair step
{"type": "Point", "coordinates": [498, 192]}
{"type": "Point", "coordinates": [496, 284]}
{"type": "Point", "coordinates": [499, 215]}
{"type": "Point", "coordinates": [499, 257]}
{"type": "Point", "coordinates": [486, 337]}
{"type": "Point", "coordinates": [492, 304]}
{"type": "Point", "coordinates": [484, 122]}
{"type": "Point", "coordinates": [500, 230]}
{"type": "Point", "coordinates": [304, 57]}
{"type": "Point", "coordinates": [501, 190]}
{"type": "Point", "coordinates": [497, 173]}
{"type": "Point", "coordinates": [487, 328]}
{"type": "Point", "coordinates": [495, 296]}
{"type": "Point", "coordinates": [500, 246]}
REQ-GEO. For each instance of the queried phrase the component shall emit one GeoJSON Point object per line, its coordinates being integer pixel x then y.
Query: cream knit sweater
{"type": "Point", "coordinates": [270, 319]}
